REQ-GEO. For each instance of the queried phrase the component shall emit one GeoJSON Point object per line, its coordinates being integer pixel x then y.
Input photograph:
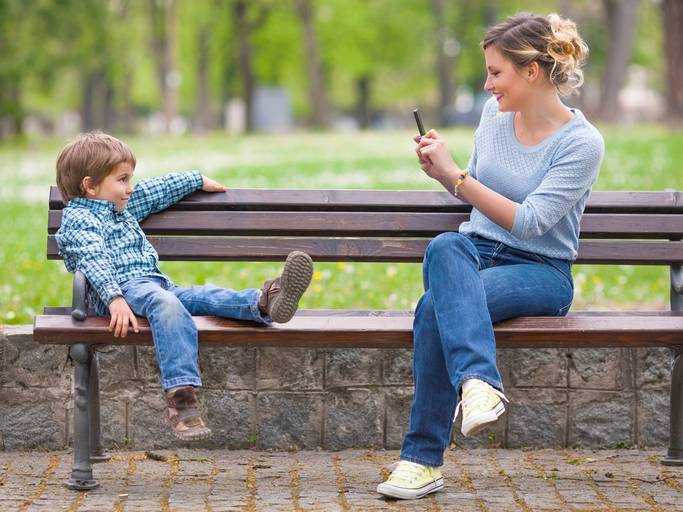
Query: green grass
{"type": "Point", "coordinates": [643, 158]}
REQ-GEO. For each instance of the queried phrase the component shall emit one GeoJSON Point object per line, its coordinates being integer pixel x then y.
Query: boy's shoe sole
{"type": "Point", "coordinates": [295, 278]}
{"type": "Point", "coordinates": [480, 421]}
{"type": "Point", "coordinates": [404, 493]}
{"type": "Point", "coordinates": [193, 435]}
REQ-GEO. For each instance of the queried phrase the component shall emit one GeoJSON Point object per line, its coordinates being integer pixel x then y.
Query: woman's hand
{"type": "Point", "coordinates": [209, 185]}
{"type": "Point", "coordinates": [435, 158]}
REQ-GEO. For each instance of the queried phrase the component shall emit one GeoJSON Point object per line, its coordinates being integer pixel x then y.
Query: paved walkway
{"type": "Point", "coordinates": [477, 480]}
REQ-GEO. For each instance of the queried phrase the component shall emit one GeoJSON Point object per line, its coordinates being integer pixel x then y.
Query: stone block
{"type": "Point", "coordinates": [114, 416]}
{"type": "Point", "coordinates": [231, 417]}
{"type": "Point", "coordinates": [536, 418]}
{"type": "Point", "coordinates": [653, 417]}
{"type": "Point", "coordinates": [600, 368]}
{"type": "Point", "coordinates": [653, 367]}
{"type": "Point", "coordinates": [353, 367]}
{"type": "Point", "coordinates": [117, 367]}
{"type": "Point", "coordinates": [290, 369]}
{"type": "Point", "coordinates": [289, 420]}
{"type": "Point", "coordinates": [354, 418]}
{"type": "Point", "coordinates": [538, 367]}
{"type": "Point", "coordinates": [146, 369]}
{"type": "Point", "coordinates": [34, 418]}
{"type": "Point", "coordinates": [600, 418]}
{"type": "Point", "coordinates": [398, 366]}
{"type": "Point", "coordinates": [26, 363]}
{"type": "Point", "coordinates": [398, 401]}
{"type": "Point", "coordinates": [228, 367]}
{"type": "Point", "coordinates": [147, 427]}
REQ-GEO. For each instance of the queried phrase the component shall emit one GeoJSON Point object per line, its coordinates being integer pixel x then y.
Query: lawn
{"type": "Point", "coordinates": [643, 158]}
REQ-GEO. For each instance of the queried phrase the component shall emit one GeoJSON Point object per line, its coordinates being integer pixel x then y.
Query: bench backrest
{"type": "Point", "coordinates": [639, 228]}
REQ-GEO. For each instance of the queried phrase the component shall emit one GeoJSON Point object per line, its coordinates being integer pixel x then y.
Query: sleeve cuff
{"type": "Point", "coordinates": [196, 179]}
{"type": "Point", "coordinates": [518, 225]}
{"type": "Point", "coordinates": [110, 293]}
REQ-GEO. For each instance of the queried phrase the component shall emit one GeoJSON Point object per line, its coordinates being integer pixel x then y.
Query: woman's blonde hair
{"type": "Point", "coordinates": [552, 41]}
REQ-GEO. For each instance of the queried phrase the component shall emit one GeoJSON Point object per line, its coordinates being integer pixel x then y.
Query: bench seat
{"type": "Point", "coordinates": [386, 329]}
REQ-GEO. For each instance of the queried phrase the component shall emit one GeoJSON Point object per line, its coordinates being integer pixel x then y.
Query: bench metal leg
{"type": "Point", "coordinates": [674, 456]}
{"type": "Point", "coordinates": [97, 453]}
{"type": "Point", "coordinates": [81, 473]}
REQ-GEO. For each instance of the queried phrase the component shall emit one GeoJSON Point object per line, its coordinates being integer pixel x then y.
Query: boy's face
{"type": "Point", "coordinates": [116, 187]}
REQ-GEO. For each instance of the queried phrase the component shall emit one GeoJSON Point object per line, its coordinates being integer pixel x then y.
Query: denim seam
{"type": "Point", "coordinates": [419, 460]}
{"type": "Point", "coordinates": [181, 381]}
{"type": "Point", "coordinates": [497, 385]}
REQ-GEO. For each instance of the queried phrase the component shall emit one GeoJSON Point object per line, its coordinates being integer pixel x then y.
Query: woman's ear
{"type": "Point", "coordinates": [532, 72]}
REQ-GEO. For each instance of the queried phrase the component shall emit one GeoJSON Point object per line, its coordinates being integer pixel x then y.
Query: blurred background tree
{"type": "Point", "coordinates": [172, 66]}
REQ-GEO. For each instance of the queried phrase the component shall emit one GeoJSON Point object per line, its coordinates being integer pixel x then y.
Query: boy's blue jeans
{"type": "Point", "coordinates": [470, 283]}
{"type": "Point", "coordinates": [169, 309]}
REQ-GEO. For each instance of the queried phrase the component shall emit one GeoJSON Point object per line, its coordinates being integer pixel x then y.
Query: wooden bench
{"type": "Point", "coordinates": [634, 228]}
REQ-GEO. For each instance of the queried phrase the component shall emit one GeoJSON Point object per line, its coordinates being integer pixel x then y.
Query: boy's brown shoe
{"type": "Point", "coordinates": [182, 413]}
{"type": "Point", "coordinates": [280, 297]}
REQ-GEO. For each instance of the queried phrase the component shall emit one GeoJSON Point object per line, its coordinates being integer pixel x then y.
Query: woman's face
{"type": "Point", "coordinates": [506, 82]}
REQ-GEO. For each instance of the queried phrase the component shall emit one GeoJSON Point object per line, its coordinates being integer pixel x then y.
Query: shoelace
{"type": "Point", "coordinates": [406, 470]}
{"type": "Point", "coordinates": [476, 396]}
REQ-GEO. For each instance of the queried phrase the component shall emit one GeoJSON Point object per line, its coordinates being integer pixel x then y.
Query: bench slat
{"type": "Point", "coordinates": [378, 250]}
{"type": "Point", "coordinates": [384, 331]}
{"type": "Point", "coordinates": [233, 223]}
{"type": "Point", "coordinates": [395, 200]}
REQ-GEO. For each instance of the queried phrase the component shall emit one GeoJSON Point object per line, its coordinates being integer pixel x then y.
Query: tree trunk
{"type": "Point", "coordinates": [621, 24]}
{"type": "Point", "coordinates": [672, 11]}
{"type": "Point", "coordinates": [319, 114]}
{"type": "Point", "coordinates": [444, 64]}
{"type": "Point", "coordinates": [242, 30]}
{"type": "Point", "coordinates": [363, 105]}
{"type": "Point", "coordinates": [164, 36]}
{"type": "Point", "coordinates": [202, 114]}
{"type": "Point", "coordinates": [170, 64]}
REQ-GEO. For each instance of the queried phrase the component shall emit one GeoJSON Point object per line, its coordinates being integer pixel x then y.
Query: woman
{"type": "Point", "coordinates": [531, 171]}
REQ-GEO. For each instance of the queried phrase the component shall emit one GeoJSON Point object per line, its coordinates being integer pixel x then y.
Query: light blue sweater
{"type": "Point", "coordinates": [550, 181]}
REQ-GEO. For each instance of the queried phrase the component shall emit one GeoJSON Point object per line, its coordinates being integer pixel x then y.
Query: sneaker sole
{"type": "Point", "coordinates": [296, 276]}
{"type": "Point", "coordinates": [482, 420]}
{"type": "Point", "coordinates": [193, 436]}
{"type": "Point", "coordinates": [402, 493]}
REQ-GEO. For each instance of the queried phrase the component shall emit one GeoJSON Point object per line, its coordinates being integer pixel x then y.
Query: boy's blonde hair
{"type": "Point", "coordinates": [92, 154]}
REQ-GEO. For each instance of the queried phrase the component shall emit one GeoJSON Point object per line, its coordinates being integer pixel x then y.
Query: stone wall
{"type": "Point", "coordinates": [305, 398]}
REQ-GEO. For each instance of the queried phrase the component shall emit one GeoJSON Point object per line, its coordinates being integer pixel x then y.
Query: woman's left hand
{"type": "Point", "coordinates": [209, 185]}
{"type": "Point", "coordinates": [435, 158]}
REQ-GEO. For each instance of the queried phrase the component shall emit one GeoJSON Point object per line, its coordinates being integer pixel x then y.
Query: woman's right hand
{"type": "Point", "coordinates": [435, 158]}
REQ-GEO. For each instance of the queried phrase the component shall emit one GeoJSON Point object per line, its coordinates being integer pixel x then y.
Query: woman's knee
{"type": "Point", "coordinates": [448, 242]}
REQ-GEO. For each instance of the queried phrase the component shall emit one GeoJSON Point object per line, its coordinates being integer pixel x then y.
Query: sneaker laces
{"type": "Point", "coordinates": [477, 396]}
{"type": "Point", "coordinates": [406, 470]}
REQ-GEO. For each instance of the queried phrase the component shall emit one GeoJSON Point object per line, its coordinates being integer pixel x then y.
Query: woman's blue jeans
{"type": "Point", "coordinates": [169, 309]}
{"type": "Point", "coordinates": [470, 283]}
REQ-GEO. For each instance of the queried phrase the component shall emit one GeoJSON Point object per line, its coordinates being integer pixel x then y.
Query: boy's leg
{"type": "Point", "coordinates": [277, 300]}
{"type": "Point", "coordinates": [175, 341]}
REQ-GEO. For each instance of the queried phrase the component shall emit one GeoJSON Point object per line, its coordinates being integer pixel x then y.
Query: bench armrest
{"type": "Point", "coordinates": [79, 302]}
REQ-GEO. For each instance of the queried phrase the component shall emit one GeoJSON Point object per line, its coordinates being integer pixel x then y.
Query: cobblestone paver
{"type": "Point", "coordinates": [477, 480]}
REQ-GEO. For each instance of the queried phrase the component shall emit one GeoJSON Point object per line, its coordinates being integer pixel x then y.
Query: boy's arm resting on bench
{"type": "Point", "coordinates": [83, 249]}
{"type": "Point", "coordinates": [156, 194]}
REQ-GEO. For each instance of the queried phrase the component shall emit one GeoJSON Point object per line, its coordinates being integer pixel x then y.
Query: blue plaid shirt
{"type": "Point", "coordinates": [109, 247]}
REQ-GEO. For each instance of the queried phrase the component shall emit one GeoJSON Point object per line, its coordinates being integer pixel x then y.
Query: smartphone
{"type": "Point", "coordinates": [418, 120]}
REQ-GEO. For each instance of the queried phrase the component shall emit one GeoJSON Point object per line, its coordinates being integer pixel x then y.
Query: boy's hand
{"type": "Point", "coordinates": [212, 186]}
{"type": "Point", "coordinates": [121, 317]}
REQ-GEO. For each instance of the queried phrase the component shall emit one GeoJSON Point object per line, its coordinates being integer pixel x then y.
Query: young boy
{"type": "Point", "coordinates": [101, 237]}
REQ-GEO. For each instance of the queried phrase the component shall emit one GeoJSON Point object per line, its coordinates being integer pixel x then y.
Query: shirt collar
{"type": "Point", "coordinates": [96, 205]}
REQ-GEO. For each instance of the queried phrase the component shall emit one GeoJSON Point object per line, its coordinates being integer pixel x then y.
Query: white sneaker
{"type": "Point", "coordinates": [410, 481]}
{"type": "Point", "coordinates": [482, 405]}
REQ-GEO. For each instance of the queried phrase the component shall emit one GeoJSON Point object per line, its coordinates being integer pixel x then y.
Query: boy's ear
{"type": "Point", "coordinates": [86, 186]}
